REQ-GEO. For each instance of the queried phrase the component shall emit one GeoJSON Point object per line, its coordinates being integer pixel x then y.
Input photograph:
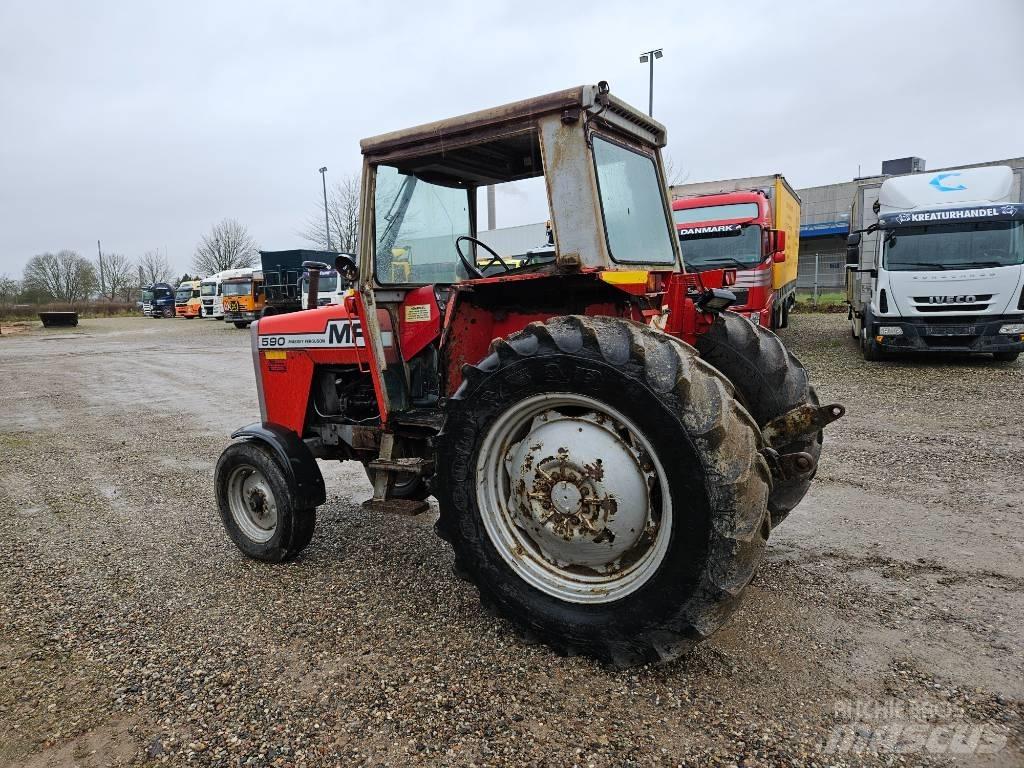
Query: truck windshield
{"type": "Point", "coordinates": [326, 284]}
{"type": "Point", "coordinates": [738, 248]}
{"type": "Point", "coordinates": [237, 289]}
{"type": "Point", "coordinates": [711, 213]}
{"type": "Point", "coordinates": [147, 296]}
{"type": "Point", "coordinates": [183, 294]}
{"type": "Point", "coordinates": [633, 205]}
{"type": "Point", "coordinates": [209, 289]}
{"type": "Point", "coordinates": [416, 228]}
{"type": "Point", "coordinates": [954, 246]}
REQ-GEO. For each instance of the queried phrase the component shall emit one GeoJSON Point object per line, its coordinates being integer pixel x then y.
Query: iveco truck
{"type": "Point", "coordinates": [942, 267]}
{"type": "Point", "coordinates": [751, 225]}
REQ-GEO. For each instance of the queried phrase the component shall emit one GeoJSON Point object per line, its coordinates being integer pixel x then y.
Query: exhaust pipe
{"type": "Point", "coordinates": [314, 267]}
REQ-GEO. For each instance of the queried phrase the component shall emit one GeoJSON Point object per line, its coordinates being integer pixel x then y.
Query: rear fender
{"type": "Point", "coordinates": [300, 468]}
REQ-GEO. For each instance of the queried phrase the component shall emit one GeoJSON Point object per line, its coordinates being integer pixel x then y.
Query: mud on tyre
{"type": "Point", "coordinates": [769, 381]}
{"type": "Point", "coordinates": [525, 505]}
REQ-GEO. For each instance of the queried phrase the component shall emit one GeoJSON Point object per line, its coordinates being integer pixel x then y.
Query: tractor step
{"type": "Point", "coordinates": [411, 466]}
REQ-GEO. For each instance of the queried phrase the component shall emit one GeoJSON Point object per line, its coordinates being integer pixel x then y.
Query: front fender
{"type": "Point", "coordinates": [297, 461]}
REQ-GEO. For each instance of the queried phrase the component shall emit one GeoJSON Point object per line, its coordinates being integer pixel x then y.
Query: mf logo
{"type": "Point", "coordinates": [952, 299]}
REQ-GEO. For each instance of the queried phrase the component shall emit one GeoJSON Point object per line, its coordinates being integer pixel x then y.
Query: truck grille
{"type": "Point", "coordinates": [978, 303]}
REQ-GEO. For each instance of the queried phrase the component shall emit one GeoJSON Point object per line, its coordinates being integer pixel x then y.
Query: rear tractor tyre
{"type": "Point", "coordinates": [769, 382]}
{"type": "Point", "coordinates": [256, 507]}
{"type": "Point", "coordinates": [603, 489]}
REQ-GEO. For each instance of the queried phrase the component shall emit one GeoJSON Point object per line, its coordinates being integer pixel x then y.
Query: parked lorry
{"type": "Point", "coordinates": [606, 487]}
{"type": "Point", "coordinates": [243, 296]}
{"type": "Point", "coordinates": [158, 300]}
{"type": "Point", "coordinates": [936, 264]}
{"type": "Point", "coordinates": [333, 286]}
{"type": "Point", "coordinates": [187, 300]}
{"type": "Point", "coordinates": [212, 297]}
{"type": "Point", "coordinates": [282, 275]}
{"type": "Point", "coordinates": [750, 224]}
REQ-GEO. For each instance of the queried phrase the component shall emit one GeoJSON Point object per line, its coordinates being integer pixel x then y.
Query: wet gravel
{"type": "Point", "coordinates": [133, 632]}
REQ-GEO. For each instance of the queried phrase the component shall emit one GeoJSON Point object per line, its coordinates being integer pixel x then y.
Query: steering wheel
{"type": "Point", "coordinates": [472, 268]}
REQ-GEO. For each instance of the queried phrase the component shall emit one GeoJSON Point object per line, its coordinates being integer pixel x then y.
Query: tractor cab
{"type": "Point", "coordinates": [420, 249]}
{"type": "Point", "coordinates": [608, 488]}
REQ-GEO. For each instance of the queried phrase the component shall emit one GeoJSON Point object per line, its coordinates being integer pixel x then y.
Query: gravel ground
{"type": "Point", "coordinates": [134, 632]}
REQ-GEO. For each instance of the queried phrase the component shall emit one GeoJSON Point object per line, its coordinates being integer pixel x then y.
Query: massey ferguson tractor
{"type": "Point", "coordinates": [609, 447]}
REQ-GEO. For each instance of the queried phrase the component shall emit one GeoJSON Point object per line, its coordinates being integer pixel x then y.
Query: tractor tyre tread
{"type": "Point", "coordinates": [770, 381]}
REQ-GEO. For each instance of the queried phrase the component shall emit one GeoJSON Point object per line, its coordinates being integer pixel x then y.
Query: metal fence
{"type": "Point", "coordinates": [821, 272]}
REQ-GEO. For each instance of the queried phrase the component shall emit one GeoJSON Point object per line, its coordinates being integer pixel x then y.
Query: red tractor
{"type": "Point", "coordinates": [609, 447]}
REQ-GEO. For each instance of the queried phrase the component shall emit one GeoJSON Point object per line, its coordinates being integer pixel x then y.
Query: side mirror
{"type": "Point", "coordinates": [853, 249]}
{"type": "Point", "coordinates": [777, 245]}
{"type": "Point", "coordinates": [779, 256]}
{"type": "Point", "coordinates": [345, 264]}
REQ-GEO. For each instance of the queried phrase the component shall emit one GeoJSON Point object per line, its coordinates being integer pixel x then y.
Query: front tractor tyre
{"type": "Point", "coordinates": [603, 489]}
{"type": "Point", "coordinates": [769, 381]}
{"type": "Point", "coordinates": [256, 505]}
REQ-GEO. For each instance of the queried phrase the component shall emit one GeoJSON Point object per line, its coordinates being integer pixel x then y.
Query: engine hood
{"type": "Point", "coordinates": [988, 291]}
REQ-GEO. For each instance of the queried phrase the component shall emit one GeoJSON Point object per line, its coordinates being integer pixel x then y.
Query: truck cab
{"type": "Point", "coordinates": [243, 296]}
{"type": "Point", "coordinates": [158, 300]}
{"type": "Point", "coordinates": [946, 271]}
{"type": "Point", "coordinates": [187, 301]}
{"type": "Point", "coordinates": [333, 288]}
{"type": "Point", "coordinates": [211, 296]}
{"type": "Point", "coordinates": [754, 230]}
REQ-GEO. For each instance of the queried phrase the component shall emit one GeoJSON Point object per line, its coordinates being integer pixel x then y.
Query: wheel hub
{"type": "Point", "coordinates": [580, 492]}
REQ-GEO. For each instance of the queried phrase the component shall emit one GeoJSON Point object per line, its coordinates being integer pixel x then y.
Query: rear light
{"type": "Point", "coordinates": [883, 301]}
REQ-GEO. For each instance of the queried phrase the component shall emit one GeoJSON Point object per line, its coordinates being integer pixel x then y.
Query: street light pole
{"type": "Point", "coordinates": [650, 56]}
{"type": "Point", "coordinates": [327, 220]}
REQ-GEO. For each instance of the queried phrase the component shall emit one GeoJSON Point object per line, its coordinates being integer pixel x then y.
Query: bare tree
{"type": "Point", "coordinates": [115, 275]}
{"type": "Point", "coordinates": [674, 175]}
{"type": "Point", "coordinates": [226, 246]}
{"type": "Point", "coordinates": [9, 289]}
{"type": "Point", "coordinates": [154, 268]}
{"type": "Point", "coordinates": [63, 276]}
{"type": "Point", "coordinates": [343, 212]}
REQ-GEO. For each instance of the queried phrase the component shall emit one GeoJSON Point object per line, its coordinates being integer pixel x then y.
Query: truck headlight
{"type": "Point", "coordinates": [1012, 328]}
{"type": "Point", "coordinates": [890, 330]}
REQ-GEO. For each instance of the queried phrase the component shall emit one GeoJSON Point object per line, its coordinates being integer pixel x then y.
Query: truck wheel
{"type": "Point", "coordinates": [769, 382]}
{"type": "Point", "coordinates": [1006, 357]}
{"type": "Point", "coordinates": [256, 507]}
{"type": "Point", "coordinates": [603, 489]}
{"type": "Point", "coordinates": [870, 349]}
{"type": "Point", "coordinates": [241, 325]}
{"type": "Point", "coordinates": [784, 314]}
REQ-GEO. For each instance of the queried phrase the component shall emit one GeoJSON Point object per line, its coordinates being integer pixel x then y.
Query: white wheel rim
{"type": "Point", "coordinates": [574, 498]}
{"type": "Point", "coordinates": [252, 503]}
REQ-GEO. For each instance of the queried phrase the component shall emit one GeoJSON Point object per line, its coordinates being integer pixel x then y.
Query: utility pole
{"type": "Point", "coordinates": [650, 56]}
{"type": "Point", "coordinates": [99, 261]}
{"type": "Point", "coordinates": [491, 208]}
{"type": "Point", "coordinates": [327, 220]}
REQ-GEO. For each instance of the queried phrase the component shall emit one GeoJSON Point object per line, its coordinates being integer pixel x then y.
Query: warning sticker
{"type": "Point", "coordinates": [417, 313]}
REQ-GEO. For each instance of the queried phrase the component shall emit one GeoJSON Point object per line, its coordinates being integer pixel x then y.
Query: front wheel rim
{"type": "Point", "coordinates": [574, 498]}
{"type": "Point", "coordinates": [252, 503]}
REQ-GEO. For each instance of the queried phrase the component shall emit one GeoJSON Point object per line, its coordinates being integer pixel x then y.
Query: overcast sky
{"type": "Point", "coordinates": [143, 123]}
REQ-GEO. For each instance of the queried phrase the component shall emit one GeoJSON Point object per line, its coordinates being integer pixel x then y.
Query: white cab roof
{"type": "Point", "coordinates": [947, 189]}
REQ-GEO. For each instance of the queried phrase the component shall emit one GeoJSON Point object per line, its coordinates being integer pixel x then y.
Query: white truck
{"type": "Point", "coordinates": [942, 268]}
{"type": "Point", "coordinates": [211, 296]}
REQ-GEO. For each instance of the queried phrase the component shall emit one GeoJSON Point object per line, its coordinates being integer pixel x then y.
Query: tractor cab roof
{"type": "Point", "coordinates": [502, 143]}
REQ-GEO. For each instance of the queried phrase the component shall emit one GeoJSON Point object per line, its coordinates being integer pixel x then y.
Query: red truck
{"type": "Point", "coordinates": [751, 225]}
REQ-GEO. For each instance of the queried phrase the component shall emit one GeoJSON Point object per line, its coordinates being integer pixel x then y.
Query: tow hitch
{"type": "Point", "coordinates": [803, 420]}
